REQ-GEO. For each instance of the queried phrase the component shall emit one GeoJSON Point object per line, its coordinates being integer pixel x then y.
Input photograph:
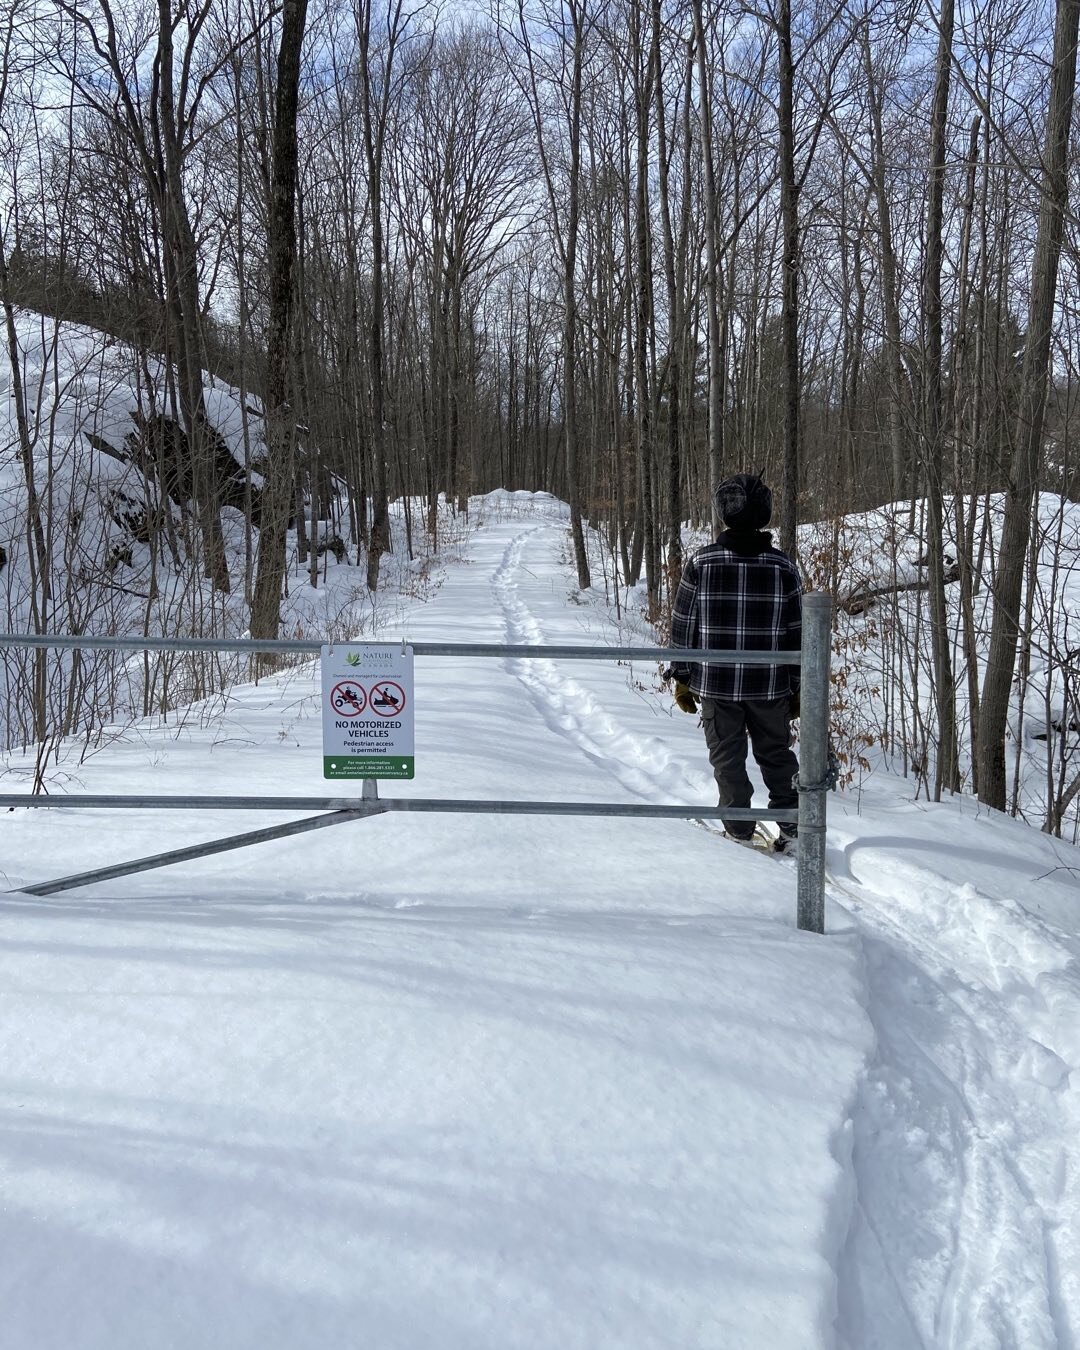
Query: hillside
{"type": "Point", "coordinates": [108, 472]}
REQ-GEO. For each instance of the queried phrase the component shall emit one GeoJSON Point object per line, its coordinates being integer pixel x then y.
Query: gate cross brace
{"type": "Point", "coordinates": [370, 804]}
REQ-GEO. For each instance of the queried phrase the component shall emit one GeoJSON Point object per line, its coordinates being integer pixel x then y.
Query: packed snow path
{"type": "Point", "coordinates": [500, 1082]}
{"type": "Point", "coordinates": [966, 1136]}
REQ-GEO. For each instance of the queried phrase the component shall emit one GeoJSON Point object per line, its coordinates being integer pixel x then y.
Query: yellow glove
{"type": "Point", "coordinates": [684, 697]}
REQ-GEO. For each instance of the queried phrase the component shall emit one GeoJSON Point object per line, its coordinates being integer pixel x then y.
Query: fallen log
{"type": "Point", "coordinates": [865, 596]}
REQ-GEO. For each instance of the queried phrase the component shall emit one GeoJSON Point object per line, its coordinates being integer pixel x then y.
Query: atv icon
{"type": "Point", "coordinates": [347, 700]}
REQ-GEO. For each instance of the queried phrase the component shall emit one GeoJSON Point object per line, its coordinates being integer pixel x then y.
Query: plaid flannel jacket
{"type": "Point", "coordinates": [739, 593]}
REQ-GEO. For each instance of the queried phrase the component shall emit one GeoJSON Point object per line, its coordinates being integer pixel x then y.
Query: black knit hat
{"type": "Point", "coordinates": [743, 502]}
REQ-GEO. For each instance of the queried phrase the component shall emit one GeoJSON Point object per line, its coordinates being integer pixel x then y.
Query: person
{"type": "Point", "coordinates": [742, 593]}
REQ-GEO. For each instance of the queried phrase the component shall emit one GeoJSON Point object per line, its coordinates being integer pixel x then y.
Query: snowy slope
{"type": "Point", "coordinates": [87, 395]}
{"type": "Point", "coordinates": [465, 1081]}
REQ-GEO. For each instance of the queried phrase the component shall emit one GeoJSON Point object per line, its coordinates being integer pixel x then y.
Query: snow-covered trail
{"type": "Point", "coordinates": [534, 1082]}
{"type": "Point", "coordinates": [968, 1224]}
{"type": "Point", "coordinates": [966, 1231]}
{"type": "Point", "coordinates": [416, 1081]}
{"type": "Point", "coordinates": [593, 706]}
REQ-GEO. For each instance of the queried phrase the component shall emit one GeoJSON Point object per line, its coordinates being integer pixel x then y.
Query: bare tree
{"type": "Point", "coordinates": [560, 75]}
{"type": "Point", "coordinates": [1024, 469]}
{"type": "Point", "coordinates": [160, 123]}
{"type": "Point", "coordinates": [947, 768]}
{"type": "Point", "coordinates": [464, 200]}
{"type": "Point", "coordinates": [376, 61]}
{"type": "Point", "coordinates": [277, 492]}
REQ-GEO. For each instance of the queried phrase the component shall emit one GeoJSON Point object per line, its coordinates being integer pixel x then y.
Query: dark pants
{"type": "Point", "coordinates": [768, 725]}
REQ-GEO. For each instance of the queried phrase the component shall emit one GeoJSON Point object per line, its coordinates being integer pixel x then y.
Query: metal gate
{"type": "Point", "coordinates": [813, 782]}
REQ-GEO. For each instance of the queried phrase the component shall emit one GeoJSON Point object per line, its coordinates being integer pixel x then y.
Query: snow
{"type": "Point", "coordinates": [491, 1081]}
{"type": "Point", "coordinates": [966, 1129]}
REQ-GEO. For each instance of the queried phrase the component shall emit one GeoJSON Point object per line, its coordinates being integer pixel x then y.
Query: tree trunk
{"type": "Point", "coordinates": [889, 295]}
{"type": "Point", "coordinates": [964, 473]}
{"type": "Point", "coordinates": [946, 768]}
{"type": "Point", "coordinates": [277, 492]}
{"type": "Point", "coordinates": [180, 242]}
{"type": "Point", "coordinates": [673, 369]}
{"type": "Point", "coordinates": [1024, 471]}
{"type": "Point", "coordinates": [712, 260]}
{"type": "Point", "coordinates": [569, 332]}
{"type": "Point", "coordinates": [788, 515]}
{"type": "Point", "coordinates": [643, 316]}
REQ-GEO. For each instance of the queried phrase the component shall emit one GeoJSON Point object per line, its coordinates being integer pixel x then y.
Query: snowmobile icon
{"type": "Point", "coordinates": [385, 701]}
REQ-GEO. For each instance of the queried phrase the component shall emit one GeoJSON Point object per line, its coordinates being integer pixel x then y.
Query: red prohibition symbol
{"type": "Point", "coordinates": [348, 699]}
{"type": "Point", "coordinates": [387, 698]}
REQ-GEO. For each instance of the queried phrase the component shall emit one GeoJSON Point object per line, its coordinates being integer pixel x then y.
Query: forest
{"type": "Point", "coordinates": [614, 250]}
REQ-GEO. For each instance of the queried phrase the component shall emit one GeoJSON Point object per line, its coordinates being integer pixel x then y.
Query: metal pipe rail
{"type": "Point", "coordinates": [375, 806]}
{"type": "Point", "coordinates": [814, 659]}
{"type": "Point", "coordinates": [287, 647]}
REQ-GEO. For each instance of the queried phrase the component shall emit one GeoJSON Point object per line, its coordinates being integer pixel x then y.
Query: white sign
{"type": "Point", "coordinates": [367, 710]}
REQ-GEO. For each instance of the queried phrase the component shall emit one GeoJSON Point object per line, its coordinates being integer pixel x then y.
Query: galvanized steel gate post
{"type": "Point", "coordinates": [814, 758]}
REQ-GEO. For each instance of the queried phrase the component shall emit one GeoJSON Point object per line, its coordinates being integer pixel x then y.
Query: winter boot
{"type": "Point", "coordinates": [787, 841]}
